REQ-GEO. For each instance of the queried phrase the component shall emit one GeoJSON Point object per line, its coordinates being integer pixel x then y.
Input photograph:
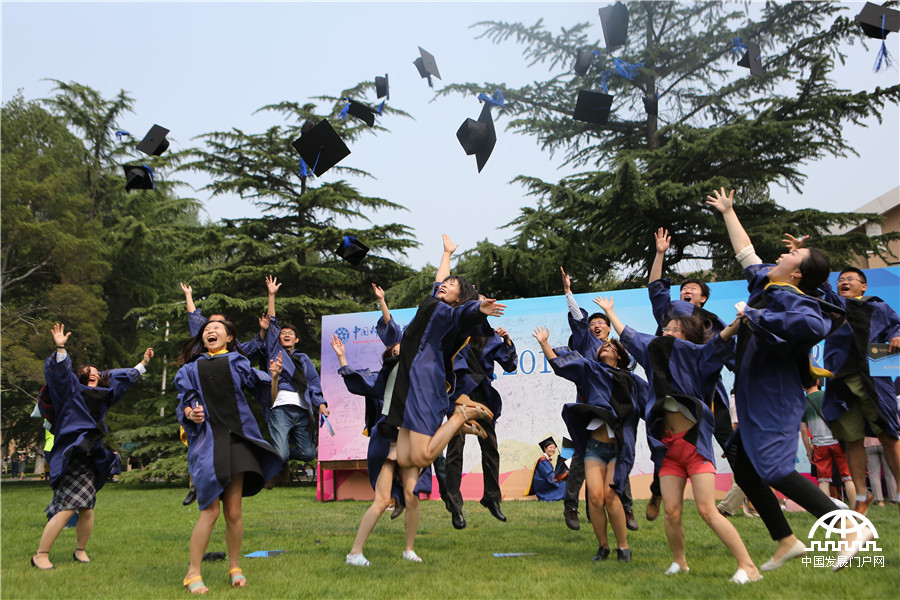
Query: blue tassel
{"type": "Point", "coordinates": [345, 110]}
{"type": "Point", "coordinates": [304, 170]}
{"type": "Point", "coordinates": [496, 100]}
{"type": "Point", "coordinates": [121, 133]}
{"type": "Point", "coordinates": [152, 179]}
{"type": "Point", "coordinates": [603, 77]}
{"type": "Point", "coordinates": [884, 57]}
{"type": "Point", "coordinates": [626, 70]}
{"type": "Point", "coordinates": [380, 108]}
{"type": "Point", "coordinates": [316, 164]}
{"type": "Point", "coordinates": [738, 47]}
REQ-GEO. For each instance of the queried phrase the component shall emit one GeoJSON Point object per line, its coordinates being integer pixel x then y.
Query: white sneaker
{"type": "Point", "coordinates": [411, 556]}
{"type": "Point", "coordinates": [357, 560]}
{"type": "Point", "coordinates": [840, 504]}
{"type": "Point", "coordinates": [675, 569]}
{"type": "Point", "coordinates": [740, 577]}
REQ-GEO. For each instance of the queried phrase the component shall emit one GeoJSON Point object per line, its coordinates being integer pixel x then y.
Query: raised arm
{"type": "Point", "coordinates": [574, 309]}
{"type": "Point", "coordinates": [338, 346]}
{"type": "Point", "coordinates": [443, 271]}
{"type": "Point", "coordinates": [60, 337]}
{"type": "Point", "coordinates": [663, 241]}
{"type": "Point", "coordinates": [188, 296]}
{"type": "Point", "coordinates": [607, 305]}
{"type": "Point", "coordinates": [272, 286]}
{"type": "Point", "coordinates": [740, 241]}
{"type": "Point", "coordinates": [379, 293]}
{"type": "Point", "coordinates": [542, 335]}
{"type": "Point", "coordinates": [275, 367]}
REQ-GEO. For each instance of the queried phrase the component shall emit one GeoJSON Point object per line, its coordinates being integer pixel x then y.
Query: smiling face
{"type": "Point", "coordinates": [550, 450]}
{"type": "Point", "coordinates": [787, 267]}
{"type": "Point", "coordinates": [215, 336]}
{"type": "Point", "coordinates": [449, 291]}
{"type": "Point", "coordinates": [609, 354]}
{"type": "Point", "coordinates": [288, 338]}
{"type": "Point", "coordinates": [599, 328]}
{"type": "Point", "coordinates": [93, 377]}
{"type": "Point", "coordinates": [673, 329]}
{"type": "Point", "coordinates": [850, 285]}
{"type": "Point", "coordinates": [693, 293]}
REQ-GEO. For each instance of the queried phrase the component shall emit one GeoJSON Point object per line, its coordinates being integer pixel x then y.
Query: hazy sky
{"type": "Point", "coordinates": [207, 66]}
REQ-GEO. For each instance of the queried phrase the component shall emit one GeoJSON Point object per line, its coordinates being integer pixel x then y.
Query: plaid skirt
{"type": "Point", "coordinates": [76, 487]}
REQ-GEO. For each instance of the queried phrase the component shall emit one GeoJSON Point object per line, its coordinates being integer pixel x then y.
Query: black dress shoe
{"type": "Point", "coordinates": [602, 554]}
{"type": "Point", "coordinates": [571, 515]}
{"type": "Point", "coordinates": [190, 498]}
{"type": "Point", "coordinates": [624, 554]}
{"type": "Point", "coordinates": [630, 521]}
{"type": "Point", "coordinates": [458, 520]}
{"type": "Point", "coordinates": [398, 510]}
{"type": "Point", "coordinates": [494, 508]}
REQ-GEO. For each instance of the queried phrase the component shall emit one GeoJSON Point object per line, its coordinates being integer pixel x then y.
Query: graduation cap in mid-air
{"type": "Point", "coordinates": [352, 250]}
{"type": "Point", "coordinates": [321, 147]}
{"type": "Point", "coordinates": [138, 177]}
{"type": "Point", "coordinates": [752, 59]}
{"type": "Point", "coordinates": [592, 107]}
{"type": "Point", "coordinates": [614, 20]}
{"type": "Point", "coordinates": [568, 448]}
{"type": "Point", "coordinates": [155, 142]}
{"type": "Point", "coordinates": [878, 21]}
{"type": "Point", "coordinates": [427, 66]}
{"type": "Point", "coordinates": [478, 137]}
{"type": "Point", "coordinates": [361, 111]}
{"type": "Point", "coordinates": [382, 87]}
{"type": "Point", "coordinates": [544, 443]}
{"type": "Point", "coordinates": [583, 60]}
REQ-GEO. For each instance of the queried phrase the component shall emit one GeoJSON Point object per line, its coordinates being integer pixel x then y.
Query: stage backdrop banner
{"type": "Point", "coordinates": [533, 396]}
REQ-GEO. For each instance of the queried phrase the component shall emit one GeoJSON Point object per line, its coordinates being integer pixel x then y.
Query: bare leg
{"type": "Point", "coordinates": [850, 490]}
{"type": "Point", "coordinates": [856, 461]}
{"type": "Point", "coordinates": [234, 523]}
{"type": "Point", "coordinates": [672, 488]}
{"type": "Point", "coordinates": [51, 531]}
{"type": "Point", "coordinates": [423, 449]}
{"type": "Point", "coordinates": [594, 476]}
{"type": "Point", "coordinates": [614, 507]}
{"type": "Point", "coordinates": [83, 532]}
{"type": "Point", "coordinates": [704, 486]}
{"type": "Point", "coordinates": [382, 500]}
{"type": "Point", "coordinates": [200, 541]}
{"type": "Point", "coordinates": [411, 520]}
{"type": "Point", "coordinates": [892, 458]}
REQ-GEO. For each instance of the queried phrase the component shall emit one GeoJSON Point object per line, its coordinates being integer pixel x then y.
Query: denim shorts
{"type": "Point", "coordinates": [597, 450]}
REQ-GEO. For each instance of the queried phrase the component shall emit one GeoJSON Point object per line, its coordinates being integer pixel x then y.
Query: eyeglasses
{"type": "Point", "coordinates": [848, 279]}
{"type": "Point", "coordinates": [671, 329]}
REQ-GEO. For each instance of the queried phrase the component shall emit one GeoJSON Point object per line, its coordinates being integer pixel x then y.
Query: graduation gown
{"type": "Point", "coordinates": [474, 367]}
{"type": "Point", "coordinates": [773, 368]}
{"type": "Point", "coordinates": [427, 348]}
{"type": "Point", "coordinates": [289, 378]}
{"type": "Point", "coordinates": [543, 481]}
{"type": "Point", "coordinates": [389, 333]}
{"type": "Point", "coordinates": [609, 394]}
{"type": "Point", "coordinates": [685, 371]}
{"type": "Point", "coordinates": [869, 320]}
{"type": "Point", "coordinates": [228, 417]}
{"type": "Point", "coordinates": [79, 426]}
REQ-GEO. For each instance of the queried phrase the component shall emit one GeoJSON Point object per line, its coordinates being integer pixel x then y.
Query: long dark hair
{"type": "Point", "coordinates": [83, 373]}
{"type": "Point", "coordinates": [624, 358]}
{"type": "Point", "coordinates": [693, 328]}
{"type": "Point", "coordinates": [815, 269]}
{"type": "Point", "coordinates": [194, 347]}
{"type": "Point", "coordinates": [467, 291]}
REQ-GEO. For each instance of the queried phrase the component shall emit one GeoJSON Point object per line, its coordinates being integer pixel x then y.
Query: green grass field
{"type": "Point", "coordinates": [140, 550]}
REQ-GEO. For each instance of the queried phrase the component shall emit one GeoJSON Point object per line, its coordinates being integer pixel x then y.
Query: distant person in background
{"type": "Point", "coordinates": [877, 466]}
{"type": "Point", "coordinates": [545, 483]}
{"type": "Point", "coordinates": [823, 450]}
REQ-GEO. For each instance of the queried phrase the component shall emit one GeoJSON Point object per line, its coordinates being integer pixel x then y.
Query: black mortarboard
{"type": "Point", "coordinates": [752, 59]}
{"type": "Point", "coordinates": [352, 250]}
{"type": "Point", "coordinates": [478, 137]}
{"type": "Point", "coordinates": [361, 111]}
{"type": "Point", "coordinates": [544, 443]}
{"type": "Point", "coordinates": [592, 107]}
{"type": "Point", "coordinates": [155, 142]}
{"type": "Point", "coordinates": [138, 177]}
{"type": "Point", "coordinates": [382, 89]}
{"type": "Point", "coordinates": [583, 59]}
{"type": "Point", "coordinates": [321, 147]}
{"type": "Point", "coordinates": [426, 65]}
{"type": "Point", "coordinates": [614, 20]}
{"type": "Point", "coordinates": [878, 21]}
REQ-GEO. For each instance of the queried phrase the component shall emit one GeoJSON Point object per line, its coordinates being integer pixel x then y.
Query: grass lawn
{"type": "Point", "coordinates": [140, 550]}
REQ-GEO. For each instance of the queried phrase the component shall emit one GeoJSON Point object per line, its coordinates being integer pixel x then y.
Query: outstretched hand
{"type": "Point", "coordinates": [337, 345]}
{"type": "Point", "coordinates": [379, 293]}
{"type": "Point", "coordinates": [272, 285]}
{"type": "Point", "coordinates": [275, 367]}
{"type": "Point", "coordinates": [606, 303]}
{"type": "Point", "coordinates": [449, 246]}
{"type": "Point", "coordinates": [720, 201]}
{"type": "Point", "coordinates": [793, 243]}
{"type": "Point", "coordinates": [491, 308]}
{"type": "Point", "coordinates": [541, 334]}
{"type": "Point", "coordinates": [188, 290]}
{"type": "Point", "coordinates": [59, 336]}
{"type": "Point", "coordinates": [504, 335]}
{"type": "Point", "coordinates": [663, 240]}
{"type": "Point", "coordinates": [567, 281]}
{"type": "Point", "coordinates": [264, 322]}
{"type": "Point", "coordinates": [148, 354]}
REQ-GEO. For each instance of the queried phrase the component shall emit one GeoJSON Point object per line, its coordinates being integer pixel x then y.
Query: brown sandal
{"type": "Point", "coordinates": [483, 411]}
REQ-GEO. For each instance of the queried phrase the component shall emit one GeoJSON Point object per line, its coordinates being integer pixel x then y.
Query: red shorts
{"type": "Point", "coordinates": [682, 459]}
{"type": "Point", "coordinates": [824, 456]}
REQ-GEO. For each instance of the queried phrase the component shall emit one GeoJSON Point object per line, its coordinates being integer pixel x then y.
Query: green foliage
{"type": "Point", "coordinates": [717, 127]}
